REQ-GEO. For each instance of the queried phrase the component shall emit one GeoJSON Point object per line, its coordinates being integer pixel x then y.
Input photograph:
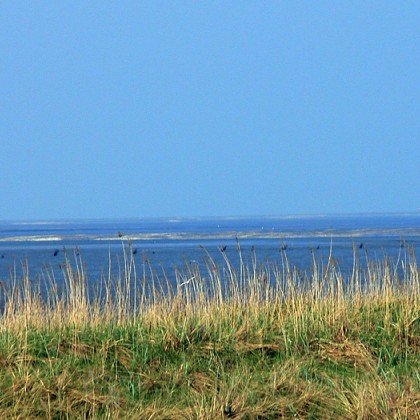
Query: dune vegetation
{"type": "Point", "coordinates": [251, 340]}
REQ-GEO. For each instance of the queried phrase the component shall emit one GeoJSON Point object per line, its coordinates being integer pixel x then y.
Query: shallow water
{"type": "Point", "coordinates": [169, 243]}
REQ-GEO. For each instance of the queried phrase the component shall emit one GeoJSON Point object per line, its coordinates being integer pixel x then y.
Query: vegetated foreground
{"type": "Point", "coordinates": [258, 341]}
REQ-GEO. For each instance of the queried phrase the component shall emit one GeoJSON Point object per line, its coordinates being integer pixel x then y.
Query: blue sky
{"type": "Point", "coordinates": [210, 108]}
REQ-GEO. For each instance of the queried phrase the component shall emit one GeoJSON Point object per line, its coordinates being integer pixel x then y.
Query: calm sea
{"type": "Point", "coordinates": [170, 243]}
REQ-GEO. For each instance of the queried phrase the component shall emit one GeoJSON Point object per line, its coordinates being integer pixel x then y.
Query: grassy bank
{"type": "Point", "coordinates": [275, 342]}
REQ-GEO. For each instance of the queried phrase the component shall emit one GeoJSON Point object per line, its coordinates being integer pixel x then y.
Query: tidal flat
{"type": "Point", "coordinates": [261, 339]}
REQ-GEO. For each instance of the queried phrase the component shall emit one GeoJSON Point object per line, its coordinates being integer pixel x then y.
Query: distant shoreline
{"type": "Point", "coordinates": [244, 234]}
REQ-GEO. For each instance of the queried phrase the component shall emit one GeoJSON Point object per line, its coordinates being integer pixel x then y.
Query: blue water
{"type": "Point", "coordinates": [170, 243]}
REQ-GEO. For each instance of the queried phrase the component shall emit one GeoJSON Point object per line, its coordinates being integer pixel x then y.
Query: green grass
{"type": "Point", "coordinates": [266, 347]}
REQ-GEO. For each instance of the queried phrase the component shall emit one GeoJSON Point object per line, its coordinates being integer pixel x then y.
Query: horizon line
{"type": "Point", "coordinates": [176, 219]}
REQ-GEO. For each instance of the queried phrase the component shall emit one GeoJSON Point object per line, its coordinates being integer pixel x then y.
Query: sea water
{"type": "Point", "coordinates": [165, 245]}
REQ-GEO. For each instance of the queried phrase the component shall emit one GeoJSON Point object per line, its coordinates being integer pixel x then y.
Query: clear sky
{"type": "Point", "coordinates": [208, 108]}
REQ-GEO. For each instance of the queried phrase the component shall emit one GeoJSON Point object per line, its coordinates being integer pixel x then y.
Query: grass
{"type": "Point", "coordinates": [256, 341]}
